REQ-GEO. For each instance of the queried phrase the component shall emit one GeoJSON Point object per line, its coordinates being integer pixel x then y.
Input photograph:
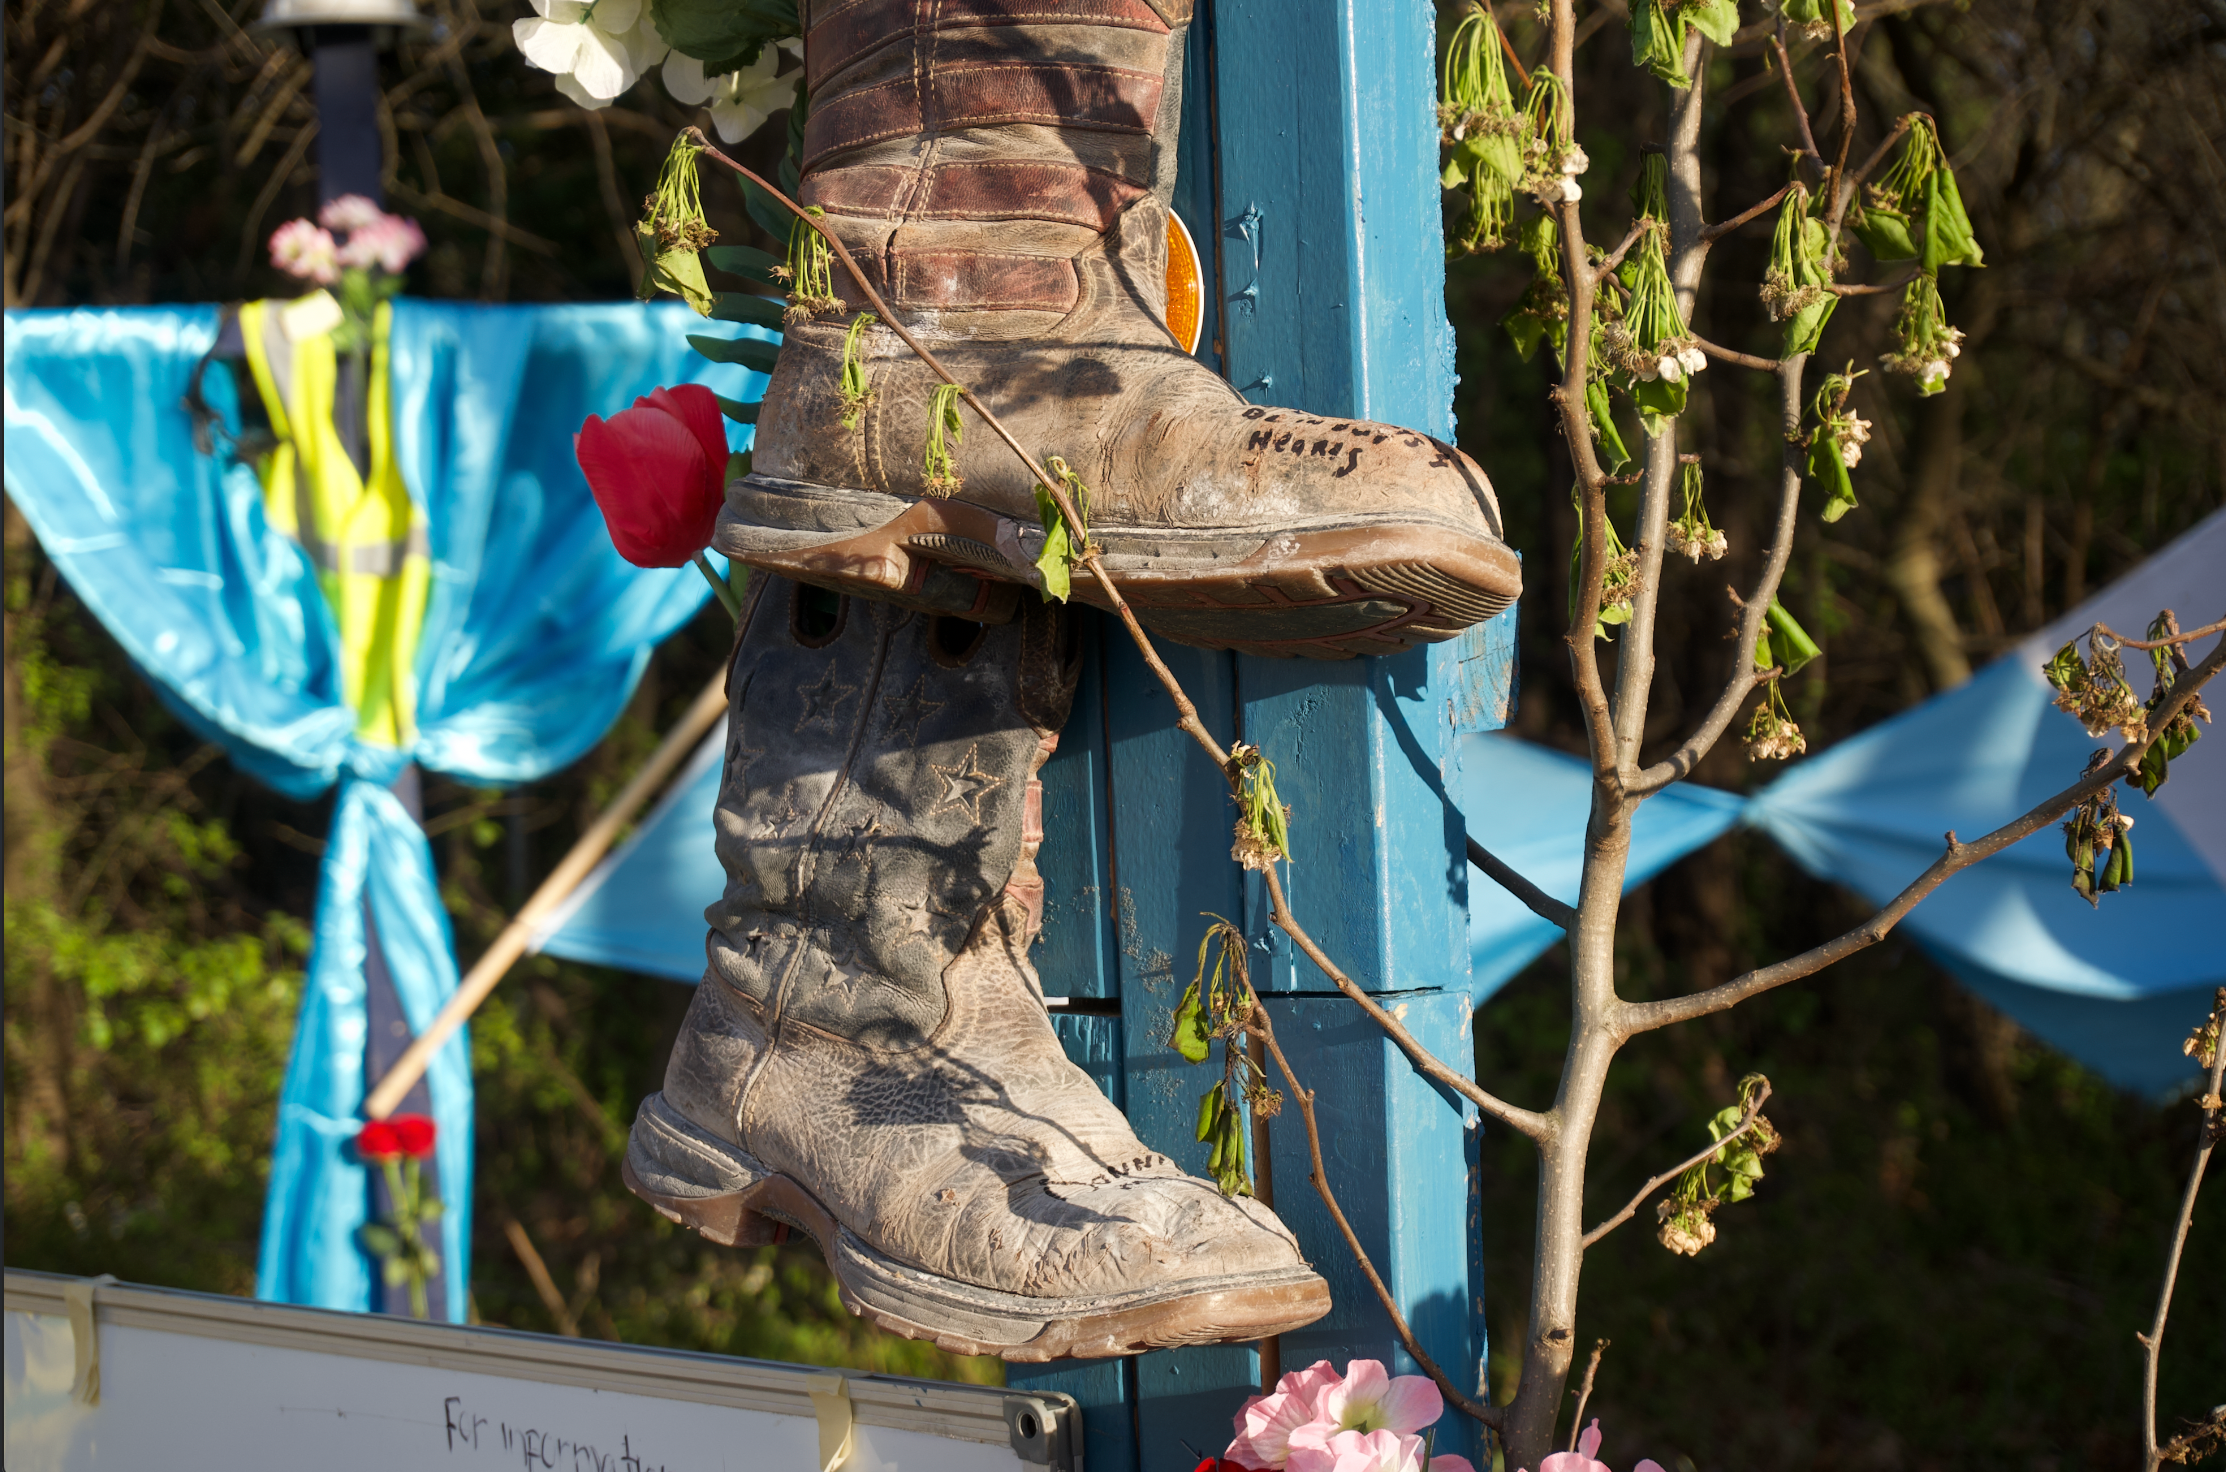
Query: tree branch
{"type": "Point", "coordinates": [2189, 637]}
{"type": "Point", "coordinates": [1744, 676]}
{"type": "Point", "coordinates": [1536, 1126]}
{"type": "Point", "coordinates": [1633, 1019]}
{"type": "Point", "coordinates": [1717, 232]}
{"type": "Point", "coordinates": [1793, 96]}
{"type": "Point", "coordinates": [1746, 1123]}
{"type": "Point", "coordinates": [1260, 1027]}
{"type": "Point", "coordinates": [1873, 288]}
{"type": "Point", "coordinates": [1541, 904]}
{"type": "Point", "coordinates": [1733, 356]}
{"type": "Point", "coordinates": [2152, 1343]}
{"type": "Point", "coordinates": [1615, 257]}
{"type": "Point", "coordinates": [1885, 145]}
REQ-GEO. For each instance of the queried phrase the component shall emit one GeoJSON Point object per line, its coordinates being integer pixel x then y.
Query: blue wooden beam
{"type": "Point", "coordinates": [1315, 200]}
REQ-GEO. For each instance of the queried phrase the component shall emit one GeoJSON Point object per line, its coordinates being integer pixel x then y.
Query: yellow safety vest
{"type": "Point", "coordinates": [366, 539]}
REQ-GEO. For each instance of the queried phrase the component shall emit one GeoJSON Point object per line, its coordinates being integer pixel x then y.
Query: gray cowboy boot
{"type": "Point", "coordinates": [1001, 171]}
{"type": "Point", "coordinates": [868, 1057]}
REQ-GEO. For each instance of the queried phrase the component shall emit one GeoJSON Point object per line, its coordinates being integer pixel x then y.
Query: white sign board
{"type": "Point", "coordinates": [186, 1381]}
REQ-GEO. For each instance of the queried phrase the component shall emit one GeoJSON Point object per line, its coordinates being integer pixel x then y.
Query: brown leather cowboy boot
{"type": "Point", "coordinates": [868, 1057]}
{"type": "Point", "coordinates": [1001, 170]}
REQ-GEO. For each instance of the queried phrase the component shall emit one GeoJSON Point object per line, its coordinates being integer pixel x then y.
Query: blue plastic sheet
{"type": "Point", "coordinates": [536, 633]}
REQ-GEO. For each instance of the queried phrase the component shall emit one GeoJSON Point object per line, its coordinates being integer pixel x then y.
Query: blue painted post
{"type": "Point", "coordinates": [1309, 178]}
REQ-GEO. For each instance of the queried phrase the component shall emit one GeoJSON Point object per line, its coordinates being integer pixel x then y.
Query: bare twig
{"type": "Point", "coordinates": [1872, 288]}
{"type": "Point", "coordinates": [1536, 1126]}
{"type": "Point", "coordinates": [1793, 96]}
{"type": "Point", "coordinates": [1634, 1019]}
{"type": "Point", "coordinates": [1615, 257]}
{"type": "Point", "coordinates": [1840, 195]}
{"type": "Point", "coordinates": [1746, 1123]}
{"type": "Point", "coordinates": [1541, 904]}
{"type": "Point", "coordinates": [2152, 1343]}
{"type": "Point", "coordinates": [1257, 1023]}
{"type": "Point", "coordinates": [2185, 637]}
{"type": "Point", "coordinates": [538, 1271]}
{"type": "Point", "coordinates": [1584, 1390]}
{"type": "Point", "coordinates": [1734, 356]}
{"type": "Point", "coordinates": [1719, 230]}
{"type": "Point", "coordinates": [1744, 676]}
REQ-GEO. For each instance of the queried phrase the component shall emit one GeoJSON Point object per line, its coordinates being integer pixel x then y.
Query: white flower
{"type": "Point", "coordinates": [1574, 160]}
{"type": "Point", "coordinates": [1671, 369]}
{"type": "Point", "coordinates": [1851, 454]}
{"type": "Point", "coordinates": [741, 100]}
{"type": "Point", "coordinates": [597, 50]}
{"type": "Point", "coordinates": [1650, 373]}
{"type": "Point", "coordinates": [1935, 371]}
{"type": "Point", "coordinates": [1693, 359]}
{"type": "Point", "coordinates": [1571, 190]}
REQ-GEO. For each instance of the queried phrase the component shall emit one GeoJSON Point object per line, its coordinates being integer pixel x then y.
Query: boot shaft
{"type": "Point", "coordinates": [1048, 120]}
{"type": "Point", "coordinates": [880, 791]}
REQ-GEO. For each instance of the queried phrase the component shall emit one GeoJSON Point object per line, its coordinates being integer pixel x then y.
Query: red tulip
{"type": "Point", "coordinates": [659, 472]}
{"type": "Point", "coordinates": [414, 1134]}
{"type": "Point", "coordinates": [377, 1140]}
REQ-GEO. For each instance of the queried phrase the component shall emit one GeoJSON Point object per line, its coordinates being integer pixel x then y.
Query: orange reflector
{"type": "Point", "coordinates": [1186, 286]}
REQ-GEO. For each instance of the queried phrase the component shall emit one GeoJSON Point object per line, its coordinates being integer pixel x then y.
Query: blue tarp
{"type": "Point", "coordinates": [536, 632]}
{"type": "Point", "coordinates": [2116, 988]}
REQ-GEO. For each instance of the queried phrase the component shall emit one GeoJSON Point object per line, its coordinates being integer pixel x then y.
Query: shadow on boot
{"type": "Point", "coordinates": [1002, 173]}
{"type": "Point", "coordinates": [868, 1058]}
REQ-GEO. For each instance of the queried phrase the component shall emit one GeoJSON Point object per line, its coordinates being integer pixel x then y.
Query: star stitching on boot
{"type": "Point", "coordinates": [965, 784]}
{"type": "Point", "coordinates": [918, 930]}
{"type": "Point", "coordinates": [909, 710]}
{"type": "Point", "coordinates": [857, 844]}
{"type": "Point", "coordinates": [823, 701]}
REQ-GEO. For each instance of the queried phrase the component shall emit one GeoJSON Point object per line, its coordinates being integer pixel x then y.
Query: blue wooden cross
{"type": "Point", "coordinates": [1309, 180]}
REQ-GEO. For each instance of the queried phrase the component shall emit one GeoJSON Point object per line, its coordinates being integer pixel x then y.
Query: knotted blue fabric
{"type": "Point", "coordinates": [536, 632]}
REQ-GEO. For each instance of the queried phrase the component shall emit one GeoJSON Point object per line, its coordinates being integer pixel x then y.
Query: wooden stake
{"type": "Point", "coordinates": [554, 890]}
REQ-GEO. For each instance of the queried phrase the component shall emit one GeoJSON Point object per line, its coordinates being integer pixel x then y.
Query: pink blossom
{"type": "Point", "coordinates": [349, 212]}
{"type": "Point", "coordinates": [1265, 1424]}
{"type": "Point", "coordinates": [1581, 1460]}
{"type": "Point", "coordinates": [300, 248]}
{"type": "Point", "coordinates": [1319, 1448]}
{"type": "Point", "coordinates": [388, 243]}
{"type": "Point", "coordinates": [1368, 1399]}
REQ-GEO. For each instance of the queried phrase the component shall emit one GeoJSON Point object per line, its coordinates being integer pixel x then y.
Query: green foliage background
{"type": "Point", "coordinates": [1949, 1257]}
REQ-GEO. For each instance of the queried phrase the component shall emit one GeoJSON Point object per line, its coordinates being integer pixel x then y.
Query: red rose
{"type": "Point", "coordinates": [413, 1134]}
{"type": "Point", "coordinates": [659, 472]}
{"type": "Point", "coordinates": [1220, 1464]}
{"type": "Point", "coordinates": [378, 1140]}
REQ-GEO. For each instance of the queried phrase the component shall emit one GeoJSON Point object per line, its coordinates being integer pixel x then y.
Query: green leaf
{"type": "Point", "coordinates": [747, 351]}
{"type": "Point", "coordinates": [1830, 471]}
{"type": "Point", "coordinates": [379, 1241]}
{"type": "Point", "coordinates": [1786, 644]}
{"type": "Point", "coordinates": [1885, 233]}
{"type": "Point", "coordinates": [1658, 401]}
{"type": "Point", "coordinates": [1191, 1036]}
{"type": "Point", "coordinates": [743, 306]}
{"type": "Point", "coordinates": [1718, 20]}
{"type": "Point", "coordinates": [730, 33]}
{"type": "Point", "coordinates": [1805, 328]}
{"type": "Point", "coordinates": [746, 260]}
{"type": "Point", "coordinates": [1948, 238]}
{"type": "Point", "coordinates": [1613, 457]}
{"type": "Point", "coordinates": [1658, 43]}
{"type": "Point", "coordinates": [738, 411]}
{"type": "Point", "coordinates": [1209, 1111]}
{"type": "Point", "coordinates": [677, 271]}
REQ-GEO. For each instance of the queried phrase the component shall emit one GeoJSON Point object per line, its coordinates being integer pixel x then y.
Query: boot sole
{"type": "Point", "coordinates": [1323, 587]}
{"type": "Point", "coordinates": [716, 1189]}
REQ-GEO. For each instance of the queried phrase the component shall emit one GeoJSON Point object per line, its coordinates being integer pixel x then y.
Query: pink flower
{"type": "Point", "coordinates": [301, 249]}
{"type": "Point", "coordinates": [349, 212]}
{"type": "Point", "coordinates": [1368, 1399]}
{"type": "Point", "coordinates": [1265, 1424]}
{"type": "Point", "coordinates": [1318, 1448]}
{"type": "Point", "coordinates": [1581, 1460]}
{"type": "Point", "coordinates": [389, 242]}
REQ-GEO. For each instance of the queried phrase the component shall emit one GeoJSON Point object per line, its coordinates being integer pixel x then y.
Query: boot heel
{"type": "Point", "coordinates": [723, 1219]}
